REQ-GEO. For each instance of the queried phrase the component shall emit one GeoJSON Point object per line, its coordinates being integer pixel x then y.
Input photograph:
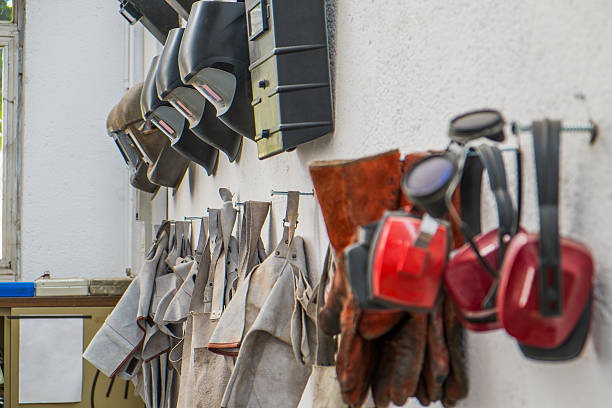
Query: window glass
{"type": "Point", "coordinates": [6, 11]}
{"type": "Point", "coordinates": [1, 142]}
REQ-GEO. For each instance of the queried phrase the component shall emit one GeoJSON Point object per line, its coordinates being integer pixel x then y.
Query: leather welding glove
{"type": "Point", "coordinates": [354, 193]}
{"type": "Point", "coordinates": [356, 359]}
{"type": "Point", "coordinates": [456, 386]}
{"type": "Point", "coordinates": [401, 361]}
{"type": "Point", "coordinates": [437, 365]}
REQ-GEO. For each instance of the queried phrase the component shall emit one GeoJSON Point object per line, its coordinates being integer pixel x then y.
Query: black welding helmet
{"type": "Point", "coordinates": [155, 15]}
{"type": "Point", "coordinates": [137, 166]}
{"type": "Point", "coordinates": [190, 103]}
{"type": "Point", "coordinates": [173, 125]}
{"type": "Point", "coordinates": [120, 117]}
{"type": "Point", "coordinates": [150, 145]}
{"type": "Point", "coordinates": [182, 7]}
{"type": "Point", "coordinates": [214, 58]}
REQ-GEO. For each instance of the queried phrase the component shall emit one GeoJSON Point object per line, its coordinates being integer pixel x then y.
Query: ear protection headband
{"type": "Point", "coordinates": [546, 283]}
{"type": "Point", "coordinates": [471, 276]}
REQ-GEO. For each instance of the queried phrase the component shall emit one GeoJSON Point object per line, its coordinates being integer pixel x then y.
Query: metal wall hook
{"type": "Point", "coordinates": [302, 193]}
{"type": "Point", "coordinates": [193, 218]}
{"type": "Point", "coordinates": [575, 127]}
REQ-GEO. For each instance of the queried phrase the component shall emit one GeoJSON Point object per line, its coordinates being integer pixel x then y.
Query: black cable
{"type": "Point", "coordinates": [93, 388]}
{"type": "Point", "coordinates": [467, 236]}
{"type": "Point", "coordinates": [110, 386]}
{"type": "Point", "coordinates": [125, 391]}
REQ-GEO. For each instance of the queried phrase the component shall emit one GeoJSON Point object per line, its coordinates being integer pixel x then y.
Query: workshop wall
{"type": "Point", "coordinates": [75, 186]}
{"type": "Point", "coordinates": [401, 71]}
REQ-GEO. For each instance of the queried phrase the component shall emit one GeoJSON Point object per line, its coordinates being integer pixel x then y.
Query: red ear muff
{"type": "Point", "coordinates": [519, 303]}
{"type": "Point", "coordinates": [469, 284]}
{"type": "Point", "coordinates": [471, 275]}
{"type": "Point", "coordinates": [545, 290]}
{"type": "Point", "coordinates": [406, 269]}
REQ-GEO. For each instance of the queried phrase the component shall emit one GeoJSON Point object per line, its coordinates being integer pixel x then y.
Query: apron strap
{"type": "Point", "coordinates": [289, 224]}
{"type": "Point", "coordinates": [202, 258]}
{"type": "Point", "coordinates": [326, 346]}
{"type": "Point", "coordinates": [202, 240]}
{"type": "Point", "coordinates": [216, 246]}
{"type": "Point", "coordinates": [224, 274]}
{"type": "Point", "coordinates": [253, 218]}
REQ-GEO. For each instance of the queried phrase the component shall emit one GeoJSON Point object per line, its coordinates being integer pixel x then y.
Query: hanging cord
{"type": "Point", "coordinates": [93, 388]}
{"type": "Point", "coordinates": [110, 387]}
{"type": "Point", "coordinates": [125, 391]}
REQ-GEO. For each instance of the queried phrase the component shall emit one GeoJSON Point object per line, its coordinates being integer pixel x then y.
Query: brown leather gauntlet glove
{"type": "Point", "coordinates": [402, 351]}
{"type": "Point", "coordinates": [437, 366]}
{"type": "Point", "coordinates": [456, 386]}
{"type": "Point", "coordinates": [354, 193]}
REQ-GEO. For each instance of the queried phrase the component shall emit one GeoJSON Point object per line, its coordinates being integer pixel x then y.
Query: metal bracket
{"type": "Point", "coordinates": [589, 127]}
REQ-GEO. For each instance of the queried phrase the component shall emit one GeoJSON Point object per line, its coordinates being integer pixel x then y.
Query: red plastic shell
{"type": "Point", "coordinates": [517, 301]}
{"type": "Point", "coordinates": [468, 283]}
{"type": "Point", "coordinates": [405, 275]}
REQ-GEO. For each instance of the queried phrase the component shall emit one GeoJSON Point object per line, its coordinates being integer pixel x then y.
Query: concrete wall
{"type": "Point", "coordinates": [402, 70]}
{"type": "Point", "coordinates": [74, 181]}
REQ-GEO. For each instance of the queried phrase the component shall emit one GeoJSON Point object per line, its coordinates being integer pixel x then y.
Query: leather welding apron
{"type": "Point", "coordinates": [189, 294]}
{"type": "Point", "coordinates": [163, 336]}
{"type": "Point", "coordinates": [252, 293]}
{"type": "Point", "coordinates": [116, 349]}
{"type": "Point", "coordinates": [161, 380]}
{"type": "Point", "coordinates": [210, 372]}
{"type": "Point", "coordinates": [323, 389]}
{"type": "Point", "coordinates": [271, 368]}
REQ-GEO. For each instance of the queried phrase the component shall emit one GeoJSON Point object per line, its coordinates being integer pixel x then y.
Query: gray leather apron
{"type": "Point", "coordinates": [182, 308]}
{"type": "Point", "coordinates": [250, 296]}
{"type": "Point", "coordinates": [116, 349]}
{"type": "Point", "coordinates": [270, 369]}
{"type": "Point", "coordinates": [211, 371]}
{"type": "Point", "coordinates": [323, 389]}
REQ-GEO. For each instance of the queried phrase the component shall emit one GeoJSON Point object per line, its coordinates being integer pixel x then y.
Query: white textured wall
{"type": "Point", "coordinates": [402, 70]}
{"type": "Point", "coordinates": [74, 180]}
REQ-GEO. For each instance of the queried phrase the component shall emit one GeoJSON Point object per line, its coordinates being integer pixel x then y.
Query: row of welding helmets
{"type": "Point", "coordinates": [219, 80]}
{"type": "Point", "coordinates": [537, 286]}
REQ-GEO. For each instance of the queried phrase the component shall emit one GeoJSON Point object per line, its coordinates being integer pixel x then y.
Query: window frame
{"type": "Point", "coordinates": [11, 41]}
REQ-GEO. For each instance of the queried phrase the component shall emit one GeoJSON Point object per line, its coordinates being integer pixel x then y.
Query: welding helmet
{"type": "Point", "coordinates": [545, 290]}
{"type": "Point", "coordinates": [182, 7]}
{"type": "Point", "coordinates": [173, 125]}
{"type": "Point", "coordinates": [166, 166]}
{"type": "Point", "coordinates": [138, 168]}
{"type": "Point", "coordinates": [124, 114]}
{"type": "Point", "coordinates": [155, 15]}
{"type": "Point", "coordinates": [214, 58]}
{"type": "Point", "coordinates": [201, 115]}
